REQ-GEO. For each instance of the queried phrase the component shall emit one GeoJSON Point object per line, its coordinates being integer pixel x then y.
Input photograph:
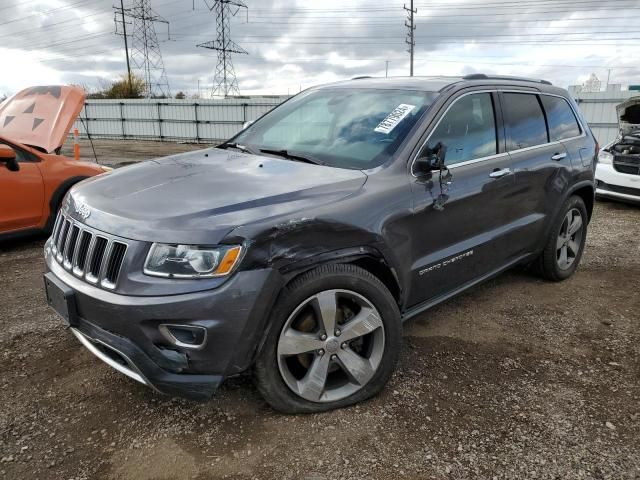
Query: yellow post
{"type": "Point", "coordinates": [76, 145]}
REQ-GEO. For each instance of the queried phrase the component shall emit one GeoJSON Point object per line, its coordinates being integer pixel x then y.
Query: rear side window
{"type": "Point", "coordinates": [524, 121]}
{"type": "Point", "coordinates": [468, 129]}
{"type": "Point", "coordinates": [562, 121]}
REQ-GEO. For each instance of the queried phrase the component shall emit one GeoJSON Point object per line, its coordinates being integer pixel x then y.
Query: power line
{"type": "Point", "coordinates": [49, 11]}
{"type": "Point", "coordinates": [445, 5]}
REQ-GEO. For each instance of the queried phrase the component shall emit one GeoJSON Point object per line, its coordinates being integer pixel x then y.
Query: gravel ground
{"type": "Point", "coordinates": [517, 378]}
{"type": "Point", "coordinates": [116, 153]}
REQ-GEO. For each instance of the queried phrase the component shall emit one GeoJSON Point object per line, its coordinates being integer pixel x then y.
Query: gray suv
{"type": "Point", "coordinates": [298, 248]}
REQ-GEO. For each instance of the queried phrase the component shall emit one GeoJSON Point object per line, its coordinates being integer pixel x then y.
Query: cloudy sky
{"type": "Point", "coordinates": [294, 44]}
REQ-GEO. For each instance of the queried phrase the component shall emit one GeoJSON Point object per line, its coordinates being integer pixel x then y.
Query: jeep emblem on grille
{"type": "Point", "coordinates": [83, 210]}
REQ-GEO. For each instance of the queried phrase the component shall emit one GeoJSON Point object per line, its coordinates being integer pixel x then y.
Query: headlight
{"type": "Point", "coordinates": [605, 157]}
{"type": "Point", "coordinates": [191, 261]}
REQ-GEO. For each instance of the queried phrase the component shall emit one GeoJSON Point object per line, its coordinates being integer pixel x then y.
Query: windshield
{"type": "Point", "coordinates": [347, 128]}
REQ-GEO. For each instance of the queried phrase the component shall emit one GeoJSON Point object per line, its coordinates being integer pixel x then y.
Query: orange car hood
{"type": "Point", "coordinates": [41, 116]}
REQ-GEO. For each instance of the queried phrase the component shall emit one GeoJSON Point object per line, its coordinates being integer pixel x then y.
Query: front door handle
{"type": "Point", "coordinates": [500, 173]}
{"type": "Point", "coordinates": [558, 156]}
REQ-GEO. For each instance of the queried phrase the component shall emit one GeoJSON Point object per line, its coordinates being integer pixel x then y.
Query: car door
{"type": "Point", "coordinates": [21, 193]}
{"type": "Point", "coordinates": [542, 167]}
{"type": "Point", "coordinates": [459, 220]}
{"type": "Point", "coordinates": [564, 127]}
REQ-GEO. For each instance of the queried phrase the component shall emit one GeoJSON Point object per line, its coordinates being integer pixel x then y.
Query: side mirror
{"type": "Point", "coordinates": [246, 125]}
{"type": "Point", "coordinates": [430, 159]}
{"type": "Point", "coordinates": [8, 156]}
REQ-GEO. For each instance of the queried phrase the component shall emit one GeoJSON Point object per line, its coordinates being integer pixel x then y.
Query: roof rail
{"type": "Point", "coordinates": [483, 76]}
{"type": "Point", "coordinates": [360, 78]}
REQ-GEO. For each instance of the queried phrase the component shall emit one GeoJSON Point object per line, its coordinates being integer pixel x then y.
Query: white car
{"type": "Point", "coordinates": [618, 168]}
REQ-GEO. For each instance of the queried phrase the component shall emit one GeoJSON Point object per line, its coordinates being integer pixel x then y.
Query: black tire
{"type": "Point", "coordinates": [268, 376]}
{"type": "Point", "coordinates": [547, 264]}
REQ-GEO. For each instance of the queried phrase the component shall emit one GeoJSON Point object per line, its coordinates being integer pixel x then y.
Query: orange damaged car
{"type": "Point", "coordinates": [34, 177]}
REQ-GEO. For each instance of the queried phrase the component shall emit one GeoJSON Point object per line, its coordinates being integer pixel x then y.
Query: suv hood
{"type": "Point", "coordinates": [41, 116]}
{"type": "Point", "coordinates": [199, 197]}
{"type": "Point", "coordinates": [629, 116]}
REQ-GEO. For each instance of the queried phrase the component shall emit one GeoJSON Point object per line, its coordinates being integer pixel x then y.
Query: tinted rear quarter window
{"type": "Point", "coordinates": [562, 122]}
{"type": "Point", "coordinates": [524, 120]}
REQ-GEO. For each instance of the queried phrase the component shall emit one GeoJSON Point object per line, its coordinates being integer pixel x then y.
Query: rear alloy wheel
{"type": "Point", "coordinates": [569, 239]}
{"type": "Point", "coordinates": [565, 243]}
{"type": "Point", "coordinates": [334, 340]}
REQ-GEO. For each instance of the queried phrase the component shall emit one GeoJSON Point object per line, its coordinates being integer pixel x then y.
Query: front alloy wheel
{"type": "Point", "coordinates": [334, 337]}
{"type": "Point", "coordinates": [331, 345]}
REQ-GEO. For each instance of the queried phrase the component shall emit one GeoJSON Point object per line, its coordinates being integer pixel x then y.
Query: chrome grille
{"type": "Point", "coordinates": [89, 255]}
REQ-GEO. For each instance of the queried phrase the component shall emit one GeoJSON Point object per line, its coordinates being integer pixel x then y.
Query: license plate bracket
{"type": "Point", "coordinates": [61, 298]}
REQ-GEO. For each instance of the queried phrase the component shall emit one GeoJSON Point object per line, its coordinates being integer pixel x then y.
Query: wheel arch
{"type": "Point", "coordinates": [586, 191]}
{"type": "Point", "coordinates": [365, 257]}
{"type": "Point", "coordinates": [58, 196]}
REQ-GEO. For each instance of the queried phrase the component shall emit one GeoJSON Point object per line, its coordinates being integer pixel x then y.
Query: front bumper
{"type": "Point", "coordinates": [124, 330]}
{"type": "Point", "coordinates": [125, 357]}
{"type": "Point", "coordinates": [613, 184]}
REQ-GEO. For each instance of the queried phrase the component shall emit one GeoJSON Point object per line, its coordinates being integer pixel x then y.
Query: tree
{"type": "Point", "coordinates": [180, 95]}
{"type": "Point", "coordinates": [121, 88]}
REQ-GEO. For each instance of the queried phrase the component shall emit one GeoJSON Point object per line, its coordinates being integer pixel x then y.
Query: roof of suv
{"type": "Point", "coordinates": [437, 84]}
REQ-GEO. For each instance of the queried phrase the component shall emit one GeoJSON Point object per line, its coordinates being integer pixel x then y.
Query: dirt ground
{"type": "Point", "coordinates": [517, 378]}
{"type": "Point", "coordinates": [117, 153]}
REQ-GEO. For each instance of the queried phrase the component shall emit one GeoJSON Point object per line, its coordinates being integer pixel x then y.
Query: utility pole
{"type": "Point", "coordinates": [386, 68]}
{"type": "Point", "coordinates": [145, 49]}
{"type": "Point", "coordinates": [225, 82]}
{"type": "Point", "coordinates": [126, 46]}
{"type": "Point", "coordinates": [410, 34]}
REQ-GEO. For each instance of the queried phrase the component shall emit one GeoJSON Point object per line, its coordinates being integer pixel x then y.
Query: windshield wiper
{"type": "Point", "coordinates": [285, 154]}
{"type": "Point", "coordinates": [242, 148]}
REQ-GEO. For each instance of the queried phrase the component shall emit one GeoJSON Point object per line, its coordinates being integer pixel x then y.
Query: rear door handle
{"type": "Point", "coordinates": [500, 173]}
{"type": "Point", "coordinates": [558, 156]}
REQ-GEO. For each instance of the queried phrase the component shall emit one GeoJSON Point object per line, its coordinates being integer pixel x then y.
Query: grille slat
{"type": "Point", "coordinates": [83, 249]}
{"type": "Point", "coordinates": [71, 246]}
{"type": "Point", "coordinates": [116, 256]}
{"type": "Point", "coordinates": [62, 240]}
{"type": "Point", "coordinates": [629, 164]}
{"type": "Point", "coordinates": [97, 256]}
{"type": "Point", "coordinates": [56, 231]}
{"type": "Point", "coordinates": [89, 255]}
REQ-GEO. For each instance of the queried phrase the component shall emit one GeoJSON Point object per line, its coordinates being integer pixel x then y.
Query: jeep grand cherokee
{"type": "Point", "coordinates": [296, 249]}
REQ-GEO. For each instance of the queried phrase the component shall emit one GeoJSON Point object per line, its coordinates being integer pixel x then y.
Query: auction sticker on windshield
{"type": "Point", "coordinates": [394, 118]}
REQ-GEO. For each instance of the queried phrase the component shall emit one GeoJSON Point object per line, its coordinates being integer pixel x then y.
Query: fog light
{"type": "Point", "coordinates": [184, 336]}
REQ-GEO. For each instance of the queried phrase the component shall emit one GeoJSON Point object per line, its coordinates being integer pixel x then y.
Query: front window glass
{"type": "Point", "coordinates": [468, 129]}
{"type": "Point", "coordinates": [524, 121]}
{"type": "Point", "coordinates": [348, 128]}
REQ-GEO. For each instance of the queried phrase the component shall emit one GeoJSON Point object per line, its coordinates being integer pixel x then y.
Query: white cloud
{"type": "Point", "coordinates": [22, 70]}
{"type": "Point", "coordinates": [306, 42]}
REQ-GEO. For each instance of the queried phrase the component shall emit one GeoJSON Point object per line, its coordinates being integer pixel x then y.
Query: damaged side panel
{"type": "Point", "coordinates": [332, 233]}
